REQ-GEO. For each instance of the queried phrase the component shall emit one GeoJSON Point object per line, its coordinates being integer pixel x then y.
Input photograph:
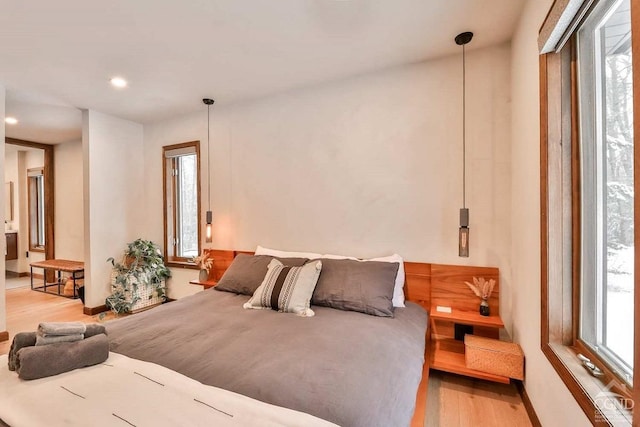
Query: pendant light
{"type": "Point", "coordinates": [209, 232]}
{"type": "Point", "coordinates": [463, 233]}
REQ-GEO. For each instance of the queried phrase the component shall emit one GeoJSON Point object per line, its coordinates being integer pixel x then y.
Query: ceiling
{"type": "Point", "coordinates": [58, 56]}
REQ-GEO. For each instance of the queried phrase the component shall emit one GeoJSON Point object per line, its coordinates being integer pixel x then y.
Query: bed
{"type": "Point", "coordinates": [349, 368]}
{"type": "Point", "coordinates": [345, 367]}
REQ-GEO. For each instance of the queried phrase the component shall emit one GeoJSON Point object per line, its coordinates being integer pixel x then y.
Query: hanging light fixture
{"type": "Point", "coordinates": [463, 233]}
{"type": "Point", "coordinates": [209, 232]}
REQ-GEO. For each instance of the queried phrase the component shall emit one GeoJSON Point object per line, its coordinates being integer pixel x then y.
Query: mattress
{"type": "Point", "coordinates": [348, 368]}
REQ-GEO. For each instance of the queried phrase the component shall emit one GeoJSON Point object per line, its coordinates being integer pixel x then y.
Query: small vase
{"type": "Point", "coordinates": [484, 308]}
{"type": "Point", "coordinates": [204, 275]}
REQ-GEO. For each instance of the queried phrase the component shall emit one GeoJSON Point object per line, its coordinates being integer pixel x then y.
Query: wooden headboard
{"type": "Point", "coordinates": [426, 284]}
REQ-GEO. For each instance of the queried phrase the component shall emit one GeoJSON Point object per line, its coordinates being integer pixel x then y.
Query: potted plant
{"type": "Point", "coordinates": [139, 280]}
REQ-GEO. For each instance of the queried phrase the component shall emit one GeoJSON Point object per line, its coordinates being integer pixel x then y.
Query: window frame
{"type": "Point", "coordinates": [560, 280]}
{"type": "Point", "coordinates": [170, 259]}
{"type": "Point", "coordinates": [37, 222]}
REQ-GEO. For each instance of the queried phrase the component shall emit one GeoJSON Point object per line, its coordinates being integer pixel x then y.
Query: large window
{"type": "Point", "coordinates": [587, 198]}
{"type": "Point", "coordinates": [36, 209]}
{"type": "Point", "coordinates": [605, 89]}
{"type": "Point", "coordinates": [181, 167]}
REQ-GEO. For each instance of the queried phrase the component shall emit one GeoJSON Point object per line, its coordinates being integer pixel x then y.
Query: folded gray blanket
{"type": "Point", "coordinates": [44, 361]}
{"type": "Point", "coordinates": [52, 339]}
{"type": "Point", "coordinates": [61, 328]}
{"type": "Point", "coordinates": [94, 329]}
{"type": "Point", "coordinates": [22, 339]}
{"type": "Point", "coordinates": [27, 339]}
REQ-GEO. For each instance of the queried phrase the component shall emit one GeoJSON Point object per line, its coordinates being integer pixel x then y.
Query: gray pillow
{"type": "Point", "coordinates": [364, 286]}
{"type": "Point", "coordinates": [247, 272]}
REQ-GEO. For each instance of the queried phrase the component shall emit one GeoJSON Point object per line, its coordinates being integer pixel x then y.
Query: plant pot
{"type": "Point", "coordinates": [204, 275]}
{"type": "Point", "coordinates": [484, 308]}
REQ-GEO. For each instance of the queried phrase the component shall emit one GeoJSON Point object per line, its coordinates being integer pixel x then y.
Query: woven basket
{"type": "Point", "coordinates": [143, 293]}
{"type": "Point", "coordinates": [494, 356]}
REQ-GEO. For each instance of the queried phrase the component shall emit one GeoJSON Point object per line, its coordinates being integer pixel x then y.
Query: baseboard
{"type": "Point", "coordinates": [14, 275]}
{"type": "Point", "coordinates": [4, 336]}
{"type": "Point", "coordinates": [531, 412]}
{"type": "Point", "coordinates": [92, 311]}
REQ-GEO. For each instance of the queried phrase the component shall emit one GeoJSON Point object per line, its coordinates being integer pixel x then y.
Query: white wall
{"type": "Point", "coordinates": [69, 214]}
{"type": "Point", "coordinates": [3, 306]}
{"type": "Point", "coordinates": [113, 196]}
{"type": "Point", "coordinates": [11, 175]}
{"type": "Point", "coordinates": [553, 402]}
{"type": "Point", "coordinates": [366, 166]}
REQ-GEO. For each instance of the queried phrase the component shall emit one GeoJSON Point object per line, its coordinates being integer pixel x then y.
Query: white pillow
{"type": "Point", "coordinates": [284, 254]}
{"type": "Point", "coordinates": [398, 288]}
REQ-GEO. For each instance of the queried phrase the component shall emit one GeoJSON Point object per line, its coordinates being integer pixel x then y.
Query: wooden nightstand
{"type": "Point", "coordinates": [447, 353]}
{"type": "Point", "coordinates": [206, 284]}
{"type": "Point", "coordinates": [448, 289]}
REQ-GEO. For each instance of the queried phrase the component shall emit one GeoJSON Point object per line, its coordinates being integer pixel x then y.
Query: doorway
{"type": "Point", "coordinates": [29, 223]}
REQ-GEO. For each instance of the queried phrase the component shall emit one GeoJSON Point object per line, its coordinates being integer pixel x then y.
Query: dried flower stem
{"type": "Point", "coordinates": [481, 287]}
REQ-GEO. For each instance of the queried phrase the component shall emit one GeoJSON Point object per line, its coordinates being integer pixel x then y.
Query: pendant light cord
{"type": "Point", "coordinates": [464, 133]}
{"type": "Point", "coordinates": [209, 155]}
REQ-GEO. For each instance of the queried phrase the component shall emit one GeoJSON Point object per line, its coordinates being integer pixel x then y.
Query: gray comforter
{"type": "Point", "coordinates": [349, 368]}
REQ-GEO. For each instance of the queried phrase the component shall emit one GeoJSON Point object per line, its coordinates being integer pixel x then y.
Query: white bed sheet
{"type": "Point", "coordinates": [125, 391]}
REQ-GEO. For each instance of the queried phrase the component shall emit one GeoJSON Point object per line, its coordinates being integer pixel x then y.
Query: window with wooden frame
{"type": "Point", "coordinates": [181, 184]}
{"type": "Point", "coordinates": [590, 309]}
{"type": "Point", "coordinates": [35, 186]}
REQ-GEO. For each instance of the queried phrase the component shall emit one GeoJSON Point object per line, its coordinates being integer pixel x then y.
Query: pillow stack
{"type": "Point", "coordinates": [372, 286]}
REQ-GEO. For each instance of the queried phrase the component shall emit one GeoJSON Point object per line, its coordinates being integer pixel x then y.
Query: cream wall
{"type": "Point", "coordinates": [553, 402]}
{"type": "Point", "coordinates": [366, 166]}
{"type": "Point", "coordinates": [69, 215]}
{"type": "Point", "coordinates": [113, 196]}
{"type": "Point", "coordinates": [3, 307]}
{"type": "Point", "coordinates": [11, 175]}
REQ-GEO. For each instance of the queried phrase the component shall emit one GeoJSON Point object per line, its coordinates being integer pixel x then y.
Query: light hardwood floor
{"type": "Point", "coordinates": [458, 401]}
{"type": "Point", "coordinates": [27, 308]}
{"type": "Point", "coordinates": [452, 400]}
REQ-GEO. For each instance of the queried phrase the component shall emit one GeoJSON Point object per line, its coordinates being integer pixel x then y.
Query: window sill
{"type": "Point", "coordinates": [182, 264]}
{"type": "Point", "coordinates": [597, 401]}
{"type": "Point", "coordinates": [35, 249]}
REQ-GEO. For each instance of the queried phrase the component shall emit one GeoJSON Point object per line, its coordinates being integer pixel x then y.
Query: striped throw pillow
{"type": "Point", "coordinates": [287, 289]}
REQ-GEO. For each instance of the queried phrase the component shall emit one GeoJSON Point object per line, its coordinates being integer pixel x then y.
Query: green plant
{"type": "Point", "coordinates": [142, 265]}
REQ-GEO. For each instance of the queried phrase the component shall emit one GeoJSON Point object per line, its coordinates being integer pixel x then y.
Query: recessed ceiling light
{"type": "Point", "coordinates": [118, 82]}
{"type": "Point", "coordinates": [11, 120]}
